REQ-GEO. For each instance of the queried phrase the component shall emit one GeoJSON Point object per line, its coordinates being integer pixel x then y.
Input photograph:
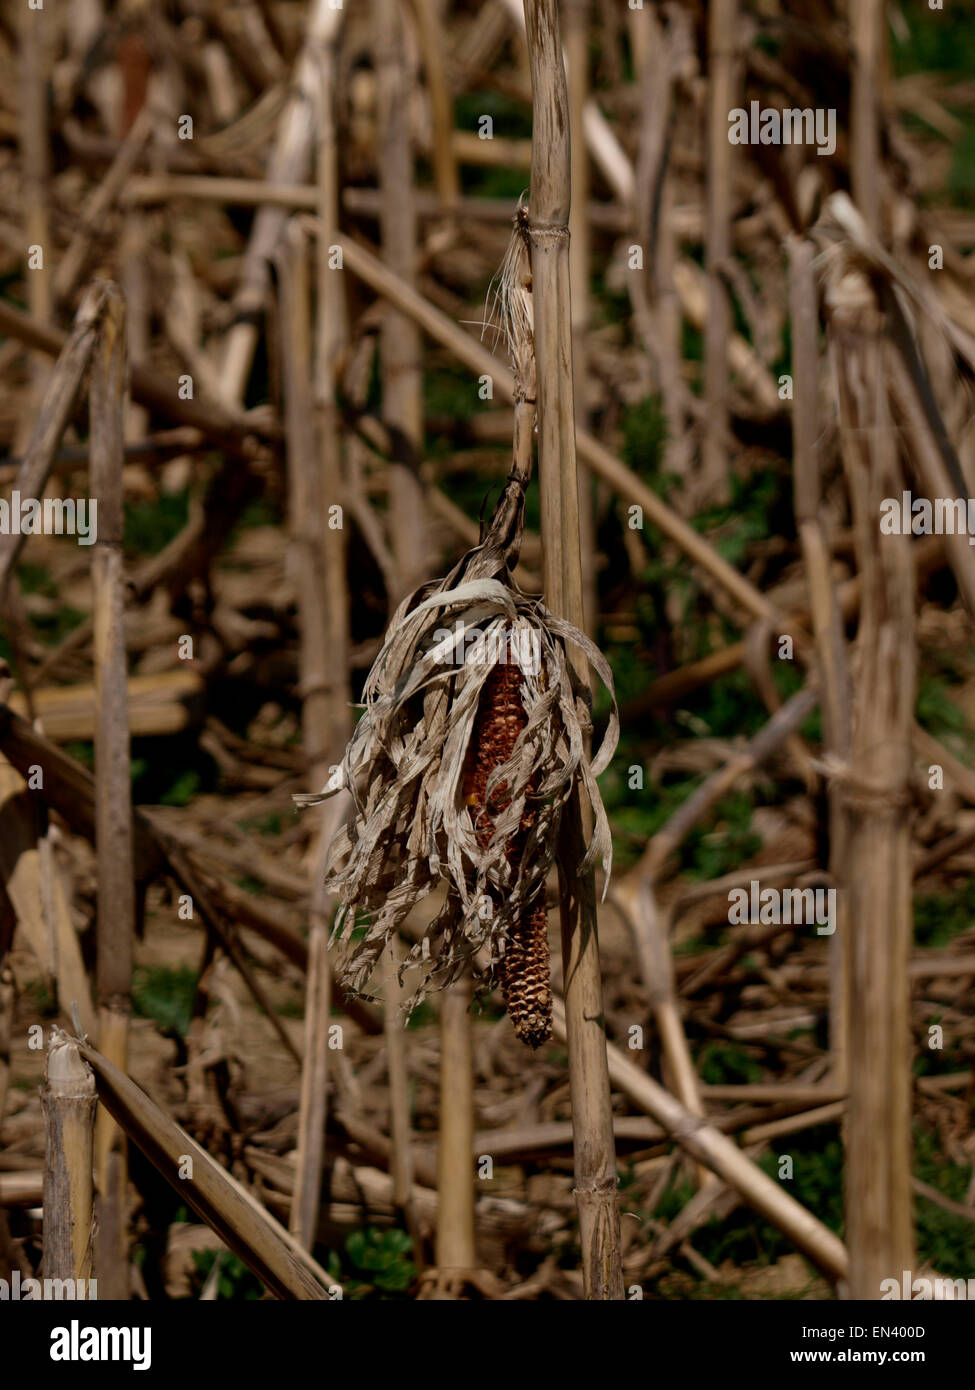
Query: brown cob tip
{"type": "Point", "coordinates": [524, 973]}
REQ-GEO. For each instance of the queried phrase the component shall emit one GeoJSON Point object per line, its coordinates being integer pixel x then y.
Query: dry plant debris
{"type": "Point", "coordinates": [441, 737]}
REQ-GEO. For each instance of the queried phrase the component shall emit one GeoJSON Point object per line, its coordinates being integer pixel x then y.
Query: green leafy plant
{"type": "Point", "coordinates": [939, 714]}
{"type": "Point", "coordinates": [726, 1064]}
{"type": "Point", "coordinates": [939, 917]}
{"type": "Point", "coordinates": [36, 579]}
{"type": "Point", "coordinates": [944, 1239]}
{"type": "Point", "coordinates": [235, 1282]}
{"type": "Point", "coordinates": [149, 526]}
{"type": "Point", "coordinates": [373, 1263]}
{"type": "Point", "coordinates": [165, 995]}
{"type": "Point", "coordinates": [53, 627]}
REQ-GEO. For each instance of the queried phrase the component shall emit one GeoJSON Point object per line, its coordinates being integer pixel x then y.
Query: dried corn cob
{"type": "Point", "coordinates": [524, 967]}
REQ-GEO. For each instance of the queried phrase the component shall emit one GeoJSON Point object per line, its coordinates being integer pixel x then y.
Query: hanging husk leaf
{"type": "Point", "coordinates": [404, 766]}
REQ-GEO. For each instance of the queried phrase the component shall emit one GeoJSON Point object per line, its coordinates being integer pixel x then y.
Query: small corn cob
{"type": "Point", "coordinates": [524, 967]}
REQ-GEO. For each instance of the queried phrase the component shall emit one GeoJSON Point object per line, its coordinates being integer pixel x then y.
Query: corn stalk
{"type": "Point", "coordinates": [594, 1145]}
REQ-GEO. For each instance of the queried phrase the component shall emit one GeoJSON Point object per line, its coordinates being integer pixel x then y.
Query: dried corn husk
{"type": "Point", "coordinates": [410, 827]}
